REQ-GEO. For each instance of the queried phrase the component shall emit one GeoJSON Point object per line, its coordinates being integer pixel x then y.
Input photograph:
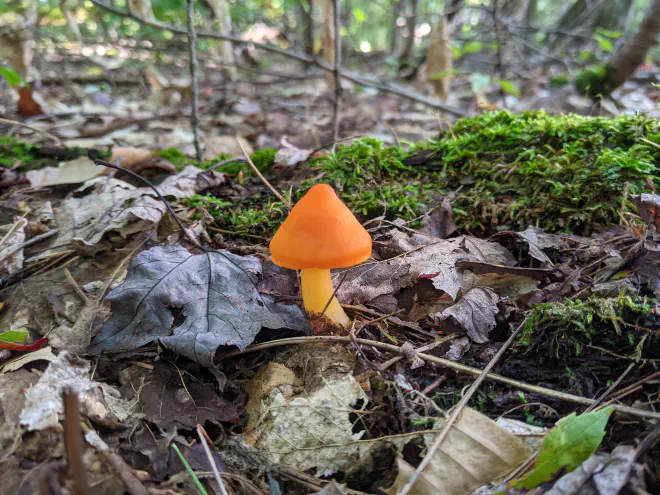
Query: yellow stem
{"type": "Point", "coordinates": [317, 290]}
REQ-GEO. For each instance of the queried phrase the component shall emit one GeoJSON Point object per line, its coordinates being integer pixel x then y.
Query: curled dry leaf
{"type": "Point", "coordinates": [475, 452]}
{"type": "Point", "coordinates": [215, 293]}
{"type": "Point", "coordinates": [130, 156]}
{"type": "Point", "coordinates": [475, 312]}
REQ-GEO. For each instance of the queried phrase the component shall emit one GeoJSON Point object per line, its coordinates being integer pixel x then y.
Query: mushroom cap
{"type": "Point", "coordinates": [320, 232]}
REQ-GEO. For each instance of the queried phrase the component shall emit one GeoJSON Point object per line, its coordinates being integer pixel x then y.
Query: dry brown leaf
{"type": "Point", "coordinates": [27, 105]}
{"type": "Point", "coordinates": [72, 172]}
{"type": "Point", "coordinates": [439, 60]}
{"type": "Point", "coordinates": [475, 452]}
{"type": "Point", "coordinates": [130, 156]}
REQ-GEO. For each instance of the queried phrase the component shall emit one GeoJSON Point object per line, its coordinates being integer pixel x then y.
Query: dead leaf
{"type": "Point", "coordinates": [332, 488]}
{"type": "Point", "coordinates": [114, 205]}
{"type": "Point", "coordinates": [27, 105]}
{"type": "Point", "coordinates": [601, 474]}
{"type": "Point", "coordinates": [439, 59]}
{"type": "Point", "coordinates": [649, 209]}
{"type": "Point", "coordinates": [129, 156]}
{"type": "Point", "coordinates": [475, 312]}
{"type": "Point", "coordinates": [12, 400]}
{"type": "Point", "coordinates": [72, 172]}
{"type": "Point", "coordinates": [368, 281]}
{"type": "Point", "coordinates": [475, 452]}
{"type": "Point", "coordinates": [98, 401]}
{"type": "Point", "coordinates": [43, 354]}
{"type": "Point", "coordinates": [458, 348]}
{"type": "Point", "coordinates": [440, 223]}
{"type": "Point", "coordinates": [12, 236]}
{"type": "Point", "coordinates": [168, 398]}
{"type": "Point", "coordinates": [215, 292]}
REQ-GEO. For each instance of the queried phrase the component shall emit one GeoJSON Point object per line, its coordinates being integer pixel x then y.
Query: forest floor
{"type": "Point", "coordinates": [525, 243]}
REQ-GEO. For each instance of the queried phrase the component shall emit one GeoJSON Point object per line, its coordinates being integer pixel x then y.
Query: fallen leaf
{"type": "Point", "coordinates": [319, 419]}
{"type": "Point", "coordinates": [72, 172]}
{"type": "Point", "coordinates": [440, 223]}
{"type": "Point", "coordinates": [567, 445]}
{"type": "Point", "coordinates": [475, 452]}
{"type": "Point", "coordinates": [167, 398]}
{"type": "Point", "coordinates": [475, 312]}
{"type": "Point", "coordinates": [12, 400]}
{"type": "Point", "coordinates": [98, 401]}
{"type": "Point", "coordinates": [27, 106]}
{"type": "Point", "coordinates": [12, 236]}
{"type": "Point", "coordinates": [114, 205]}
{"type": "Point", "coordinates": [129, 156]}
{"type": "Point", "coordinates": [601, 474]}
{"type": "Point", "coordinates": [43, 354]}
{"type": "Point", "coordinates": [215, 292]}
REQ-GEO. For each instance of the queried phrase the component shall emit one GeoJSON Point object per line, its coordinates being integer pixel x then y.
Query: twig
{"type": "Point", "coordinates": [336, 12]}
{"type": "Point", "coordinates": [218, 478]}
{"type": "Point", "coordinates": [263, 179]}
{"type": "Point", "coordinates": [192, 46]}
{"type": "Point", "coordinates": [17, 247]}
{"type": "Point", "coordinates": [447, 364]}
{"type": "Point", "coordinates": [457, 412]}
{"type": "Point", "coordinates": [96, 158]}
{"type": "Point", "coordinates": [57, 140]}
{"type": "Point", "coordinates": [301, 57]}
{"type": "Point", "coordinates": [74, 444]}
{"type": "Point", "coordinates": [76, 287]}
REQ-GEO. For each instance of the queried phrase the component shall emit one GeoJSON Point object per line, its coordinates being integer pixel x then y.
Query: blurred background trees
{"type": "Point", "coordinates": [511, 42]}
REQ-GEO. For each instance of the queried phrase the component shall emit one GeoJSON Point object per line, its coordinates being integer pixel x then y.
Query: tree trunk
{"type": "Point", "coordinates": [633, 53]}
{"type": "Point", "coordinates": [308, 26]}
{"type": "Point", "coordinates": [406, 56]}
{"type": "Point", "coordinates": [394, 34]}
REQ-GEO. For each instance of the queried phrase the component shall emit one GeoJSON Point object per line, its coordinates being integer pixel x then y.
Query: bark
{"type": "Point", "coordinates": [308, 28]}
{"type": "Point", "coordinates": [394, 34]}
{"type": "Point", "coordinates": [633, 53]}
{"type": "Point", "coordinates": [406, 56]}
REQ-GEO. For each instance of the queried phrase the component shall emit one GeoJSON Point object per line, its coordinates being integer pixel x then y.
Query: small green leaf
{"type": "Point", "coordinates": [508, 87]}
{"type": "Point", "coordinates": [568, 445]}
{"type": "Point", "coordinates": [472, 47]}
{"type": "Point", "coordinates": [12, 78]}
{"type": "Point", "coordinates": [605, 44]}
{"type": "Point", "coordinates": [14, 336]}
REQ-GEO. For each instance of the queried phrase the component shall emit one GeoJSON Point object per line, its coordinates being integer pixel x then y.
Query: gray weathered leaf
{"type": "Point", "coordinates": [215, 292]}
{"type": "Point", "coordinates": [475, 312]}
{"type": "Point", "coordinates": [441, 222]}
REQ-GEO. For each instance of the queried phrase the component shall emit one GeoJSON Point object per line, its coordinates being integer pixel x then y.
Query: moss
{"type": "Point", "coordinates": [611, 322]}
{"type": "Point", "coordinates": [263, 159]}
{"type": "Point", "coordinates": [562, 173]}
{"type": "Point", "coordinates": [31, 156]}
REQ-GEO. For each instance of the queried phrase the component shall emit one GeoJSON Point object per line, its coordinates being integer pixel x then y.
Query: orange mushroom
{"type": "Point", "coordinates": [320, 233]}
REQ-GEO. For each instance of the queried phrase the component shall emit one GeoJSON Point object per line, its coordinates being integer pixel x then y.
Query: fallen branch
{"type": "Point", "coordinates": [461, 368]}
{"type": "Point", "coordinates": [57, 140]}
{"type": "Point", "coordinates": [301, 57]}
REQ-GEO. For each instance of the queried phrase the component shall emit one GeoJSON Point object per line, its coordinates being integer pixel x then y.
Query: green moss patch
{"type": "Point", "coordinates": [31, 156]}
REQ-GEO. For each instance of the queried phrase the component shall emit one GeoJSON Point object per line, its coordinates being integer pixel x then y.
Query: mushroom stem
{"type": "Point", "coordinates": [317, 290]}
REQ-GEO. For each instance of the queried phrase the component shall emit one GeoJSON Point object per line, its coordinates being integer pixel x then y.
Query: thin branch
{"type": "Point", "coordinates": [57, 140]}
{"type": "Point", "coordinates": [555, 394]}
{"type": "Point", "coordinates": [263, 179]}
{"type": "Point", "coordinates": [192, 47]}
{"type": "Point", "coordinates": [336, 12]}
{"type": "Point", "coordinates": [9, 251]}
{"type": "Point", "coordinates": [458, 410]}
{"type": "Point", "coordinates": [301, 57]}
